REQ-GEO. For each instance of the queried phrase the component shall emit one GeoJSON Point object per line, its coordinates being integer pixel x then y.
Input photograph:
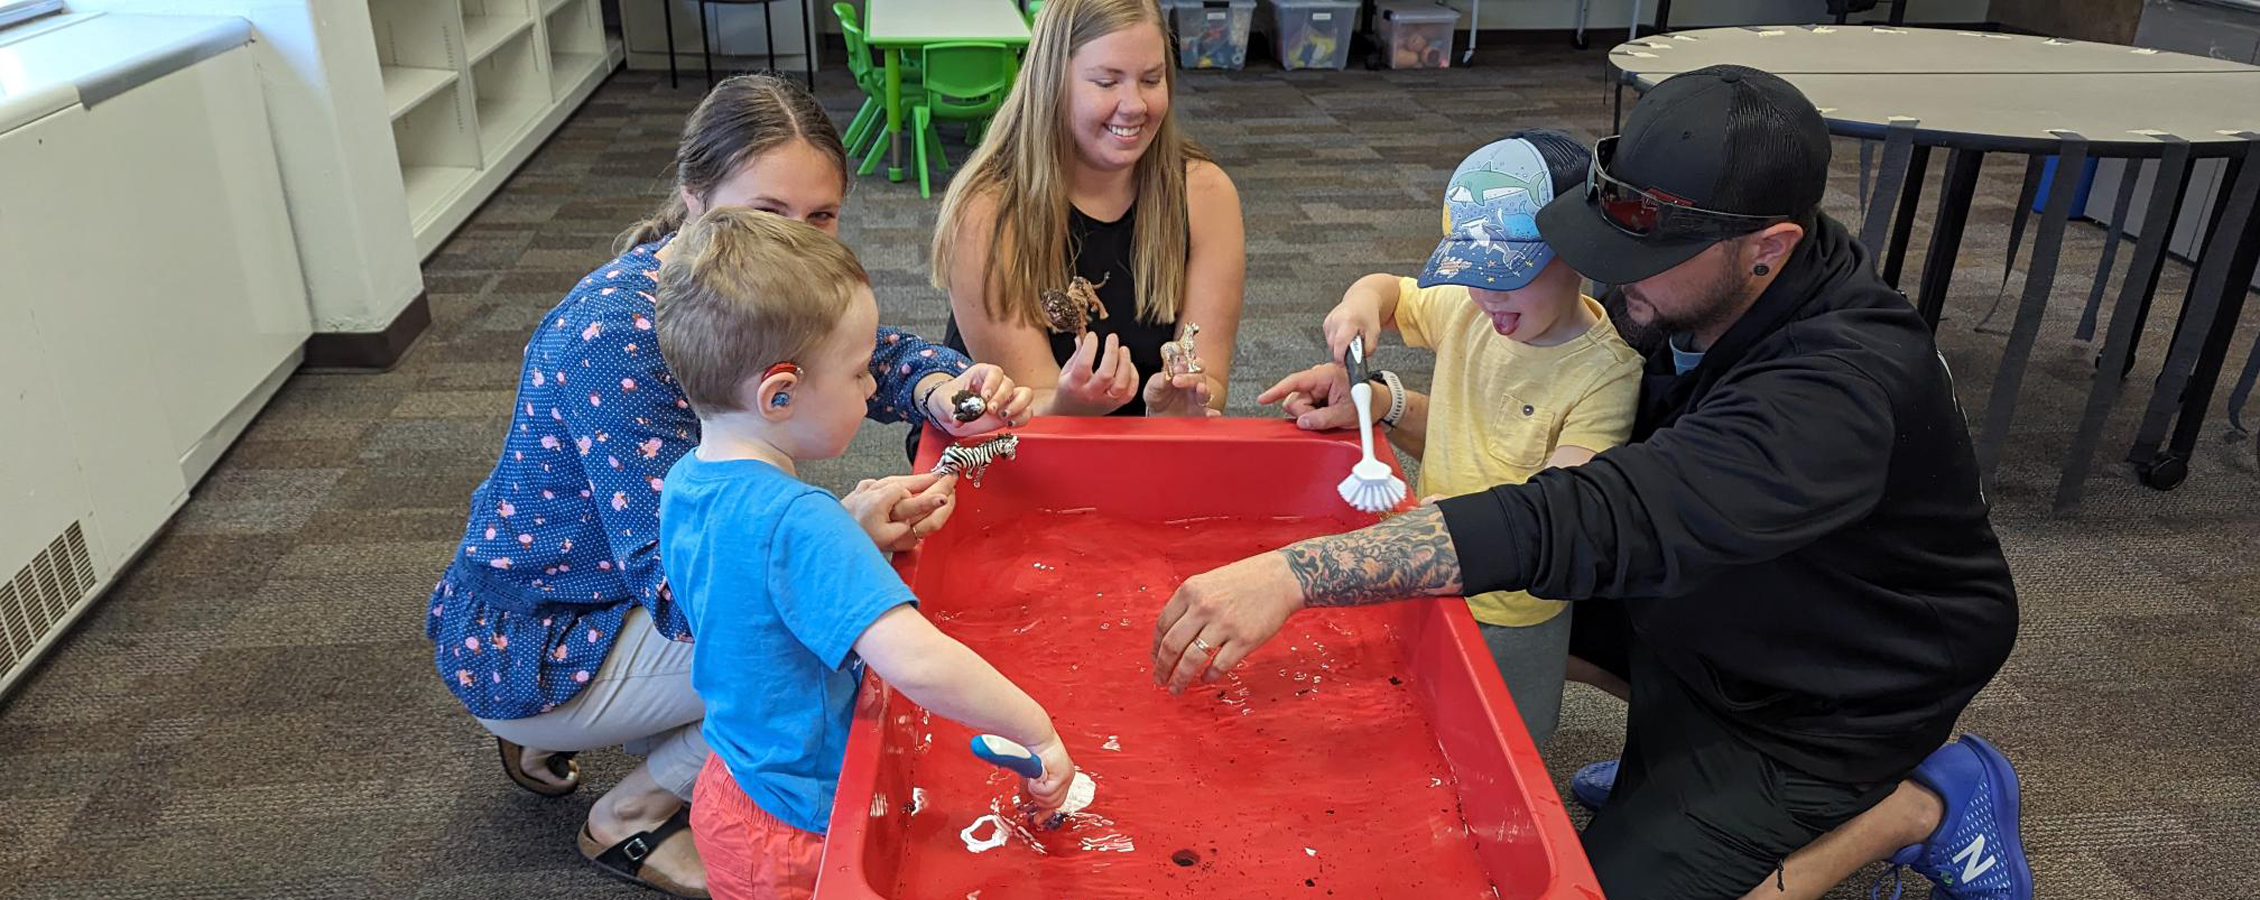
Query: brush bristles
{"type": "Point", "coordinates": [1372, 496]}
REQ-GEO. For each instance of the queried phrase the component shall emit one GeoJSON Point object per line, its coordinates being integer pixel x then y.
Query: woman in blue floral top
{"type": "Point", "coordinates": [554, 624]}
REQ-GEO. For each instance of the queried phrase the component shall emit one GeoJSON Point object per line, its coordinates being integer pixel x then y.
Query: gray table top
{"type": "Point", "coordinates": [1858, 49]}
{"type": "Point", "coordinates": [1975, 90]}
{"type": "Point", "coordinates": [2019, 111]}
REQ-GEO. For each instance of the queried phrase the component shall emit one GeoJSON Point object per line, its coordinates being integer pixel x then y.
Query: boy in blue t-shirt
{"type": "Point", "coordinates": [766, 323]}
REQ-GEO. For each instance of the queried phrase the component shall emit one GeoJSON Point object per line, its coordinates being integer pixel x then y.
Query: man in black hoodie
{"type": "Point", "coordinates": [1805, 588]}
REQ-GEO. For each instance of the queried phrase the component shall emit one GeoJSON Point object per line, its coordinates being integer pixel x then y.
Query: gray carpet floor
{"type": "Point", "coordinates": [252, 712]}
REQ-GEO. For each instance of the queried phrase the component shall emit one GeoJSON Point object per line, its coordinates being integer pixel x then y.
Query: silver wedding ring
{"type": "Point", "coordinates": [1203, 647]}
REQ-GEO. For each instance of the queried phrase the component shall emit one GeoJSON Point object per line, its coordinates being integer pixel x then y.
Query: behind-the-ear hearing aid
{"type": "Point", "coordinates": [781, 399]}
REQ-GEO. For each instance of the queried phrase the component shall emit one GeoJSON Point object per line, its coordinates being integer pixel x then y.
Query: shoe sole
{"type": "Point", "coordinates": [1999, 772]}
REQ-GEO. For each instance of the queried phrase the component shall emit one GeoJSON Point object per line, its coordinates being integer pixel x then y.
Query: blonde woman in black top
{"type": "Point", "coordinates": [1087, 232]}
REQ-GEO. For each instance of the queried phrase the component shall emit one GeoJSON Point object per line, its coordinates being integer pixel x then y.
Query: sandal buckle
{"type": "Point", "coordinates": [635, 849]}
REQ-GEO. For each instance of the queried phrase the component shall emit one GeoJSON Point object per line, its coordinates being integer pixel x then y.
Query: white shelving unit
{"type": "Point", "coordinates": [473, 86]}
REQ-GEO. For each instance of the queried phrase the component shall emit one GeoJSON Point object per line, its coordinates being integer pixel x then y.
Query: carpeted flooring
{"type": "Point", "coordinates": [252, 712]}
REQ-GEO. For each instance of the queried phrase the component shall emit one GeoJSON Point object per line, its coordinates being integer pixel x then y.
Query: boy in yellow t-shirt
{"type": "Point", "coordinates": [1529, 374]}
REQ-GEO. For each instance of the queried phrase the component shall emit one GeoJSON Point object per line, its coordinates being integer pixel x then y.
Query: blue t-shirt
{"type": "Point", "coordinates": [779, 582]}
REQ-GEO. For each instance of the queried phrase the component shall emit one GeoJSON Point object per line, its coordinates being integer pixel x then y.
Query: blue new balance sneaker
{"type": "Point", "coordinates": [1976, 853]}
{"type": "Point", "coordinates": [1592, 784]}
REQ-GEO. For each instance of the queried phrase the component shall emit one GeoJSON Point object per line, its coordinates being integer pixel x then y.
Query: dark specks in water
{"type": "Point", "coordinates": [1184, 857]}
{"type": "Point", "coordinates": [1310, 882]}
{"type": "Point", "coordinates": [1395, 680]}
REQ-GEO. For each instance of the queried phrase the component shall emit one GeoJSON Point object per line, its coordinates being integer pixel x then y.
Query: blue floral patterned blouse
{"type": "Point", "coordinates": [563, 537]}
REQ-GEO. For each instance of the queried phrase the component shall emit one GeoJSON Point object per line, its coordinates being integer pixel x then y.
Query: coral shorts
{"type": "Point", "coordinates": [749, 854]}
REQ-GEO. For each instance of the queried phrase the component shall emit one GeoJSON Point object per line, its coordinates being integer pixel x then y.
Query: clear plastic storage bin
{"type": "Point", "coordinates": [1211, 34]}
{"type": "Point", "coordinates": [1415, 34]}
{"type": "Point", "coordinates": [1313, 34]}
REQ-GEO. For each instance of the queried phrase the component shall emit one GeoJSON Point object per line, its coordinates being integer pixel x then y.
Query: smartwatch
{"type": "Point", "coordinates": [1396, 388]}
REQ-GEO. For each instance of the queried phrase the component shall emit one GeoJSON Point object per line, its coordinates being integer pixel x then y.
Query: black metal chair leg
{"type": "Point", "coordinates": [667, 11]}
{"type": "Point", "coordinates": [769, 37]}
{"type": "Point", "coordinates": [1946, 236]}
{"type": "Point", "coordinates": [808, 43]}
{"type": "Point", "coordinates": [705, 45]}
{"type": "Point", "coordinates": [1903, 224]}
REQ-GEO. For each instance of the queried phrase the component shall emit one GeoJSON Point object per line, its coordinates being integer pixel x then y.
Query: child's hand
{"type": "Point", "coordinates": [1097, 380]}
{"type": "Point", "coordinates": [1318, 398]}
{"type": "Point", "coordinates": [900, 510]}
{"type": "Point", "coordinates": [1050, 791]}
{"type": "Point", "coordinates": [1007, 404]}
{"type": "Point", "coordinates": [1355, 316]}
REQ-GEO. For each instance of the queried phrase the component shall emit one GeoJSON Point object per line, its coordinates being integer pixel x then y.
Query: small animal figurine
{"type": "Point", "coordinates": [1072, 310]}
{"type": "Point", "coordinates": [966, 406]}
{"type": "Point", "coordinates": [971, 460]}
{"type": "Point", "coordinates": [1179, 357]}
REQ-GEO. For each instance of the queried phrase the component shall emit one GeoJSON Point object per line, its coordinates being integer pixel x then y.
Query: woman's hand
{"type": "Point", "coordinates": [900, 510]}
{"type": "Point", "coordinates": [1007, 404]}
{"type": "Point", "coordinates": [1186, 394]}
{"type": "Point", "coordinates": [1318, 398]}
{"type": "Point", "coordinates": [1095, 381]}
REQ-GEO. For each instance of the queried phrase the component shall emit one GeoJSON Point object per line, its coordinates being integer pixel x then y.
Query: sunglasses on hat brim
{"type": "Point", "coordinates": [1647, 212]}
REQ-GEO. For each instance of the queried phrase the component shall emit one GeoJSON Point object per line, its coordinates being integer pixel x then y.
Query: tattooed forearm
{"type": "Point", "coordinates": [1407, 556]}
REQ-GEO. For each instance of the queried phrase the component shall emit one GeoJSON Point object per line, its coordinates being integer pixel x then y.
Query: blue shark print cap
{"type": "Point", "coordinates": [1491, 219]}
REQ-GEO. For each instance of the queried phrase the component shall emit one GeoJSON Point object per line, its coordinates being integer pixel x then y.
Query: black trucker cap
{"type": "Point", "coordinates": [1707, 155]}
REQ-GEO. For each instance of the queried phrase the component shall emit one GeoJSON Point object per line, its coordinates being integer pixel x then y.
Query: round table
{"type": "Point", "coordinates": [1974, 93]}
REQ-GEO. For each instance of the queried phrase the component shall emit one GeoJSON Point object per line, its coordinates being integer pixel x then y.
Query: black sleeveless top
{"type": "Point", "coordinates": [1102, 256]}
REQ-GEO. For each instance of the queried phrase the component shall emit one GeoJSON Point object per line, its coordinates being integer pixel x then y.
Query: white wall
{"type": "Point", "coordinates": [318, 70]}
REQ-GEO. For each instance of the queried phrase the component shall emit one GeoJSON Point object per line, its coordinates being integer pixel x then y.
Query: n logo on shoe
{"type": "Point", "coordinates": [1975, 861]}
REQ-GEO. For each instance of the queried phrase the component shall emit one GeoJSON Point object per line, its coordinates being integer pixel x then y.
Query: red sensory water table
{"type": "Point", "coordinates": [1363, 753]}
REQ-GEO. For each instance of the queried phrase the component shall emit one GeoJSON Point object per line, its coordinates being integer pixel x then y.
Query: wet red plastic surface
{"type": "Point", "coordinates": [1364, 753]}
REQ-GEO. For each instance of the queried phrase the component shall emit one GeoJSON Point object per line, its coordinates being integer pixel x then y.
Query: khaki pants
{"type": "Point", "coordinates": [640, 700]}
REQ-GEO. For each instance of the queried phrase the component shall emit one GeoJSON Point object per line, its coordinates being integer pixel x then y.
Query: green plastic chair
{"type": "Point", "coordinates": [870, 119]}
{"type": "Point", "coordinates": [964, 82]}
{"type": "Point", "coordinates": [1030, 9]}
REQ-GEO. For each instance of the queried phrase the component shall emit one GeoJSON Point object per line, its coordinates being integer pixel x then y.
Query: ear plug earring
{"type": "Point", "coordinates": [1760, 269]}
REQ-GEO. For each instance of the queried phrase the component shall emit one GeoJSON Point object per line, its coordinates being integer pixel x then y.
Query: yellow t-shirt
{"type": "Point", "coordinates": [1498, 407]}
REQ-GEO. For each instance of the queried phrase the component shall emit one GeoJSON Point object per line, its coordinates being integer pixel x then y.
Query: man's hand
{"type": "Point", "coordinates": [1007, 404]}
{"type": "Point", "coordinates": [1318, 398]}
{"type": "Point", "coordinates": [900, 510]}
{"type": "Point", "coordinates": [1096, 380]}
{"type": "Point", "coordinates": [1217, 618]}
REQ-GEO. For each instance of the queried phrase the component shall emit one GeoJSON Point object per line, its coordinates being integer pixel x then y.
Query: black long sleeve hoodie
{"type": "Point", "coordinates": [1797, 528]}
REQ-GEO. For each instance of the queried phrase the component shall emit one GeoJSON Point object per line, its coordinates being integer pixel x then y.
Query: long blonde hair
{"type": "Point", "coordinates": [1021, 166]}
{"type": "Point", "coordinates": [744, 116]}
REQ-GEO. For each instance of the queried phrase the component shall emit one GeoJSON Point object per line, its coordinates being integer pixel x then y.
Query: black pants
{"type": "Point", "coordinates": [1698, 813]}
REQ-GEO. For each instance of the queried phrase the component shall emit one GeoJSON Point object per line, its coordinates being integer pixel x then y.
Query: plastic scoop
{"type": "Point", "coordinates": [1008, 754]}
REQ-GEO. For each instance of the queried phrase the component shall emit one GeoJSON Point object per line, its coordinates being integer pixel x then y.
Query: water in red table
{"type": "Point", "coordinates": [1309, 771]}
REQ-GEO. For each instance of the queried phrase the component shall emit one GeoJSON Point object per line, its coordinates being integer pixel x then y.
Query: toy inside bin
{"type": "Point", "coordinates": [1211, 34]}
{"type": "Point", "coordinates": [1313, 34]}
{"type": "Point", "coordinates": [1416, 34]}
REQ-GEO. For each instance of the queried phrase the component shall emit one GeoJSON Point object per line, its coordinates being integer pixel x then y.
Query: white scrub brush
{"type": "Point", "coordinates": [1371, 486]}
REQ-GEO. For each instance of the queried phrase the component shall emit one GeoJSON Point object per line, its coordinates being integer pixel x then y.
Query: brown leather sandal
{"type": "Point", "coordinates": [559, 764]}
{"type": "Point", "coordinates": [625, 860]}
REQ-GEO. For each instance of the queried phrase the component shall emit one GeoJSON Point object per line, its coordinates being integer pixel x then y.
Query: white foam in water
{"type": "Point", "coordinates": [1113, 742]}
{"type": "Point", "coordinates": [997, 836]}
{"type": "Point", "coordinates": [1081, 790]}
{"type": "Point", "coordinates": [917, 800]}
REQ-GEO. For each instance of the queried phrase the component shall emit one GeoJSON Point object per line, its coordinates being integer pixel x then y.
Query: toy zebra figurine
{"type": "Point", "coordinates": [971, 460]}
